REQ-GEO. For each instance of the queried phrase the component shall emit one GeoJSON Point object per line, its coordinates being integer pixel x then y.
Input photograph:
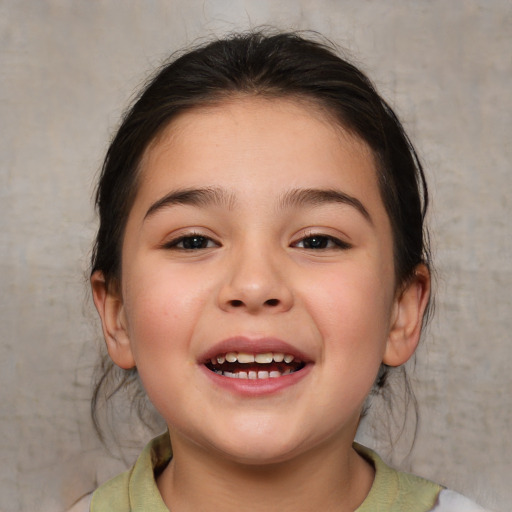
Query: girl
{"type": "Point", "coordinates": [261, 265]}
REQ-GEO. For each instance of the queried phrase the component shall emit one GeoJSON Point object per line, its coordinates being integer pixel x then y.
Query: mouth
{"type": "Point", "coordinates": [254, 366]}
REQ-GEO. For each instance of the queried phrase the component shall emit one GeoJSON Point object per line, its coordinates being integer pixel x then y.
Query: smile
{"type": "Point", "coordinates": [258, 366]}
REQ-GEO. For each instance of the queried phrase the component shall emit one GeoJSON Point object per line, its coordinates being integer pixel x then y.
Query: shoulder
{"type": "Point", "coordinates": [451, 501]}
{"type": "Point", "coordinates": [82, 505]}
{"type": "Point", "coordinates": [114, 492]}
{"type": "Point", "coordinates": [395, 491]}
{"type": "Point", "coordinates": [136, 489]}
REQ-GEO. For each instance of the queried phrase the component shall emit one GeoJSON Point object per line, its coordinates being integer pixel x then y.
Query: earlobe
{"type": "Point", "coordinates": [110, 307]}
{"type": "Point", "coordinates": [409, 309]}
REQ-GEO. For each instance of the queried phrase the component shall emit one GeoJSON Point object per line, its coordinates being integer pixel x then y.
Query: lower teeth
{"type": "Point", "coordinates": [253, 375]}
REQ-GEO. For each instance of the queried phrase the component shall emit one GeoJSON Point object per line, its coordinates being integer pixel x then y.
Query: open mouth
{"type": "Point", "coordinates": [243, 365]}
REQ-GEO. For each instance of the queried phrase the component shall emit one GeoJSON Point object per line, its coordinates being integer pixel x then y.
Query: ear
{"type": "Point", "coordinates": [407, 318]}
{"type": "Point", "coordinates": [109, 305]}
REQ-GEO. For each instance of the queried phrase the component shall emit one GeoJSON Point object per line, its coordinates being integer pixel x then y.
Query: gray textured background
{"type": "Point", "coordinates": [68, 68]}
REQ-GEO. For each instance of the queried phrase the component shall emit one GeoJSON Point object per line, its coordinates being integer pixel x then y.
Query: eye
{"type": "Point", "coordinates": [319, 242]}
{"type": "Point", "coordinates": [191, 242]}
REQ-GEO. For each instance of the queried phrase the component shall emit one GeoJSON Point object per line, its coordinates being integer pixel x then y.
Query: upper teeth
{"type": "Point", "coordinates": [245, 357]}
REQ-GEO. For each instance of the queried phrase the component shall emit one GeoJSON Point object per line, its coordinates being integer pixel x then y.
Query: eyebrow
{"type": "Point", "coordinates": [212, 196]}
{"type": "Point", "coordinates": [317, 197]}
{"type": "Point", "coordinates": [194, 197]}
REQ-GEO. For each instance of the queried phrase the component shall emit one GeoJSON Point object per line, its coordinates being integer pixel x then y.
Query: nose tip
{"type": "Point", "coordinates": [254, 287]}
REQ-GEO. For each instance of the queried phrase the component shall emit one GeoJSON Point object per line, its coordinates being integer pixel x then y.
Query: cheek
{"type": "Point", "coordinates": [160, 340]}
{"type": "Point", "coordinates": [162, 305]}
{"type": "Point", "coordinates": [352, 310]}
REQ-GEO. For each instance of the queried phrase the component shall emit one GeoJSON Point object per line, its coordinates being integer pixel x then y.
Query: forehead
{"type": "Point", "coordinates": [254, 138]}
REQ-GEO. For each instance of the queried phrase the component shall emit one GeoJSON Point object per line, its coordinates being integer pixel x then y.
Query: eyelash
{"type": "Point", "coordinates": [335, 243]}
{"type": "Point", "coordinates": [322, 242]}
{"type": "Point", "coordinates": [175, 244]}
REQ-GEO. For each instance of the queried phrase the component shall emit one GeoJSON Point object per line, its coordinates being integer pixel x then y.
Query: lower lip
{"type": "Point", "coordinates": [257, 387]}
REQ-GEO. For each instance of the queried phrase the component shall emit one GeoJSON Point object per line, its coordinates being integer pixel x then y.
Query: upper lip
{"type": "Point", "coordinates": [253, 346]}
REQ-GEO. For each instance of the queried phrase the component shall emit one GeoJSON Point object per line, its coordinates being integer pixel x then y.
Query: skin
{"type": "Point", "coordinates": [258, 276]}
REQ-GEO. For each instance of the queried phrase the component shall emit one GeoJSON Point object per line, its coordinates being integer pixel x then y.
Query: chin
{"type": "Point", "coordinates": [258, 457]}
{"type": "Point", "coordinates": [262, 449]}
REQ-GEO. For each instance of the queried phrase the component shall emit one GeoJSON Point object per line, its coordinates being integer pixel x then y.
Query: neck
{"type": "Point", "coordinates": [328, 478]}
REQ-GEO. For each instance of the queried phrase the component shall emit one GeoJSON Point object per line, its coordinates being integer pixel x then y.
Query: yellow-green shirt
{"type": "Point", "coordinates": [392, 491]}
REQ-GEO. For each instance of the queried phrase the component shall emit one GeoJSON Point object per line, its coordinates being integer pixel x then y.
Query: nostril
{"type": "Point", "coordinates": [237, 303]}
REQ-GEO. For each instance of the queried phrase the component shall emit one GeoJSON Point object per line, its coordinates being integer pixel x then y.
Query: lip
{"type": "Point", "coordinates": [257, 387]}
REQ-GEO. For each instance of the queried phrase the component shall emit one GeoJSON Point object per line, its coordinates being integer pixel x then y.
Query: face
{"type": "Point", "coordinates": [257, 296]}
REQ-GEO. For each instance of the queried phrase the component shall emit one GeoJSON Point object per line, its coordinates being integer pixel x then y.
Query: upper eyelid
{"type": "Point", "coordinates": [174, 240]}
{"type": "Point", "coordinates": [339, 241]}
{"type": "Point", "coordinates": [326, 233]}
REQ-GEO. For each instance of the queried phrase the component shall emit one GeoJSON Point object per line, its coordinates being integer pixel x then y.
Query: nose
{"type": "Point", "coordinates": [255, 283]}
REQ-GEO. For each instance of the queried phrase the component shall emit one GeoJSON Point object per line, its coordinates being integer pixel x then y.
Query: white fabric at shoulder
{"type": "Point", "coordinates": [451, 501]}
{"type": "Point", "coordinates": [83, 505]}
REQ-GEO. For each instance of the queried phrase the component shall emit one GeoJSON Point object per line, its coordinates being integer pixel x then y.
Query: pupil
{"type": "Point", "coordinates": [316, 242]}
{"type": "Point", "coordinates": [194, 242]}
